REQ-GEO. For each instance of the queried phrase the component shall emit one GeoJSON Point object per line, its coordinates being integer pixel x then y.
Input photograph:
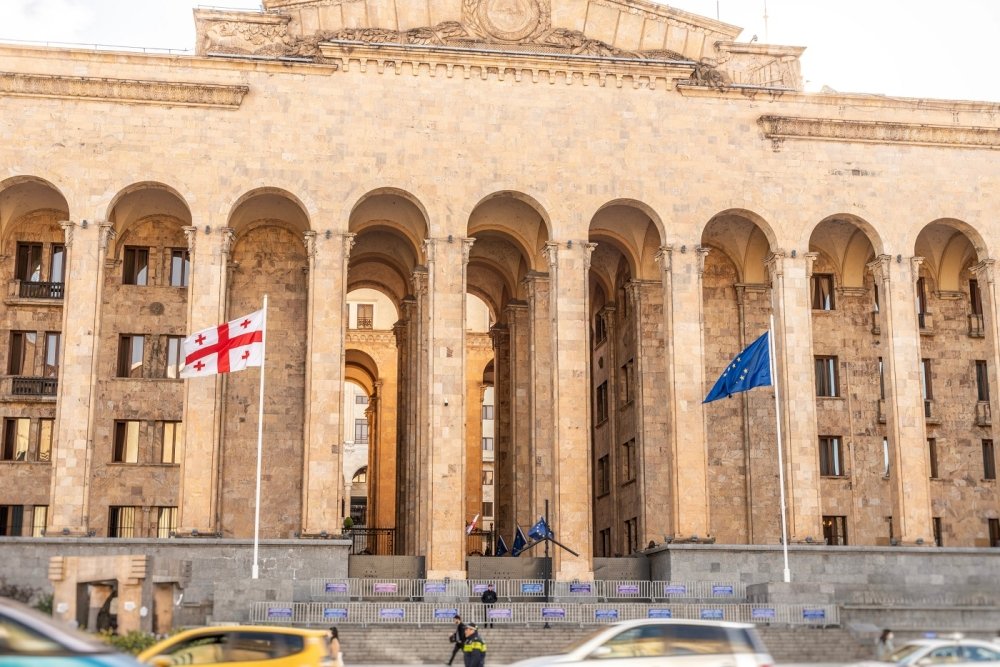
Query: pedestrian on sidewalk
{"type": "Point", "coordinates": [489, 598]}
{"type": "Point", "coordinates": [884, 646]}
{"type": "Point", "coordinates": [474, 648]}
{"type": "Point", "coordinates": [457, 638]}
{"type": "Point", "coordinates": [338, 657]}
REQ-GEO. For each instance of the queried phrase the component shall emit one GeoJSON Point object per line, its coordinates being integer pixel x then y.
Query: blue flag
{"type": "Point", "coordinates": [751, 368]}
{"type": "Point", "coordinates": [520, 541]}
{"type": "Point", "coordinates": [501, 547]}
{"type": "Point", "coordinates": [540, 530]}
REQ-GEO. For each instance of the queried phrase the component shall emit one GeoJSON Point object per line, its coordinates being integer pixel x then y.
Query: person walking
{"type": "Point", "coordinates": [474, 648]}
{"type": "Point", "coordinates": [884, 646]}
{"type": "Point", "coordinates": [457, 637]}
{"type": "Point", "coordinates": [489, 598]}
{"type": "Point", "coordinates": [338, 657]}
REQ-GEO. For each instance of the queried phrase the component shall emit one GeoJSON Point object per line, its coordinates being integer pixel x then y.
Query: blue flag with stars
{"type": "Point", "coordinates": [751, 368]}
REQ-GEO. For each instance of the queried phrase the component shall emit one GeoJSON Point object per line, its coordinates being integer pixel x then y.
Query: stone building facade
{"type": "Point", "coordinates": [632, 192]}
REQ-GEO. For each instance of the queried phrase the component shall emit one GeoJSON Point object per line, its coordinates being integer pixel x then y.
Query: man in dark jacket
{"type": "Point", "coordinates": [457, 637]}
{"type": "Point", "coordinates": [489, 598]}
{"type": "Point", "coordinates": [474, 648]}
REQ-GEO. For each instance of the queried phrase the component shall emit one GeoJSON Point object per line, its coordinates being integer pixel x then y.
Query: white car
{"type": "Point", "coordinates": [673, 642]}
{"type": "Point", "coordinates": [954, 652]}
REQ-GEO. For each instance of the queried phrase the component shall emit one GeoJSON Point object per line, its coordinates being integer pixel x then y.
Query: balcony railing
{"type": "Point", "coordinates": [983, 414]}
{"type": "Point", "coordinates": [372, 541]}
{"type": "Point", "coordinates": [364, 323]}
{"type": "Point", "coordinates": [38, 290]}
{"type": "Point", "coordinates": [976, 327]}
{"type": "Point", "coordinates": [33, 386]}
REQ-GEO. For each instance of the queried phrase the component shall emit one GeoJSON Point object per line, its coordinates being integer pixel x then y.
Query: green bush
{"type": "Point", "coordinates": [134, 642]}
{"type": "Point", "coordinates": [44, 603]}
{"type": "Point", "coordinates": [348, 523]}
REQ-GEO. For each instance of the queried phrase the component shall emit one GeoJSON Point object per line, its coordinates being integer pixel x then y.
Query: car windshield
{"type": "Point", "coordinates": [901, 654]}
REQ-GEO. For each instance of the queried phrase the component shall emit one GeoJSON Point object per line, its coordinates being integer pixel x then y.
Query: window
{"type": "Point", "coordinates": [170, 445]}
{"type": "Point", "coordinates": [932, 457]}
{"type": "Point", "coordinates": [28, 264]}
{"type": "Point", "coordinates": [600, 329]}
{"type": "Point", "coordinates": [835, 530]}
{"type": "Point", "coordinates": [53, 342]}
{"type": "Point", "coordinates": [121, 521]}
{"type": "Point", "coordinates": [604, 475]}
{"type": "Point", "coordinates": [925, 379]}
{"type": "Point", "coordinates": [881, 379]}
{"type": "Point", "coordinates": [45, 429]}
{"type": "Point", "coordinates": [989, 460]}
{"type": "Point", "coordinates": [15, 439]}
{"type": "Point", "coordinates": [130, 352]}
{"type": "Point", "coordinates": [487, 412]}
{"type": "Point", "coordinates": [877, 305]}
{"type": "Point", "coordinates": [822, 291]}
{"type": "Point", "coordinates": [921, 290]}
{"type": "Point", "coordinates": [628, 461]}
{"type": "Point", "coordinates": [487, 508]}
{"type": "Point", "coordinates": [166, 521]}
{"type": "Point", "coordinates": [487, 478]}
{"type": "Point", "coordinates": [487, 444]}
{"type": "Point", "coordinates": [57, 267]}
{"type": "Point", "coordinates": [39, 517]}
{"type": "Point", "coordinates": [826, 376]}
{"type": "Point", "coordinates": [885, 457]}
{"type": "Point", "coordinates": [361, 476]}
{"type": "Point", "coordinates": [975, 298]}
{"type": "Point", "coordinates": [982, 381]}
{"type": "Point", "coordinates": [22, 353]}
{"type": "Point", "coordinates": [135, 269]}
{"type": "Point", "coordinates": [180, 267]}
{"type": "Point", "coordinates": [361, 399]}
{"type": "Point", "coordinates": [605, 537]}
{"type": "Point", "coordinates": [632, 535]}
{"type": "Point", "coordinates": [175, 356]}
{"type": "Point", "coordinates": [366, 315]}
{"type": "Point", "coordinates": [602, 403]}
{"type": "Point", "coordinates": [361, 430]}
{"type": "Point", "coordinates": [938, 535]}
{"type": "Point", "coordinates": [126, 442]}
{"type": "Point", "coordinates": [892, 534]}
{"type": "Point", "coordinates": [625, 378]}
{"type": "Point", "coordinates": [11, 520]}
{"type": "Point", "coordinates": [831, 456]}
{"type": "Point", "coordinates": [994, 528]}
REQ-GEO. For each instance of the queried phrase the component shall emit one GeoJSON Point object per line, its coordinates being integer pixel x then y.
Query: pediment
{"type": "Point", "coordinates": [620, 29]}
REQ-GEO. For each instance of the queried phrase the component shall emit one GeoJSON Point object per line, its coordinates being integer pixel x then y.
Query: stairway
{"type": "Point", "coordinates": [410, 645]}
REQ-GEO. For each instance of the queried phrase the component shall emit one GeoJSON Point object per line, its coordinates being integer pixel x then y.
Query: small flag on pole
{"type": "Point", "coordinates": [540, 530]}
{"type": "Point", "coordinates": [520, 541]}
{"type": "Point", "coordinates": [472, 526]}
{"type": "Point", "coordinates": [751, 368]}
{"type": "Point", "coordinates": [226, 348]}
{"type": "Point", "coordinates": [501, 546]}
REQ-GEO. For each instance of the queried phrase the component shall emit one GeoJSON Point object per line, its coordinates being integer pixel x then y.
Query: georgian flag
{"type": "Point", "coordinates": [226, 348]}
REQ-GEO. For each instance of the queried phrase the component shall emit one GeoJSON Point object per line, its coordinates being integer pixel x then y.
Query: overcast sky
{"type": "Point", "coordinates": [911, 48]}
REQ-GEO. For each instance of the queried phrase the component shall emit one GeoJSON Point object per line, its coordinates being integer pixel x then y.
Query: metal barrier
{"type": "Point", "coordinates": [532, 613]}
{"type": "Point", "coordinates": [372, 541]}
{"type": "Point", "coordinates": [528, 590]}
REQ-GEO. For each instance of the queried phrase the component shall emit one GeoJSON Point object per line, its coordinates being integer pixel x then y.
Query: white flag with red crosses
{"type": "Point", "coordinates": [226, 348]}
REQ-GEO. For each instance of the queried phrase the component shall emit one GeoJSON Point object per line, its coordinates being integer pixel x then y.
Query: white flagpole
{"type": "Point", "coordinates": [781, 463]}
{"type": "Point", "coordinates": [255, 571]}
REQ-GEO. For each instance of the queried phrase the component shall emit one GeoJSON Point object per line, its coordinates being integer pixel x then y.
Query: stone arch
{"type": "Point", "coordinates": [518, 219]}
{"type": "Point", "coordinates": [635, 229]}
{"type": "Point", "coordinates": [746, 238]}
{"type": "Point", "coordinates": [848, 244]}
{"type": "Point", "coordinates": [394, 210]}
{"type": "Point", "coordinates": [22, 196]}
{"type": "Point", "coordinates": [948, 247]}
{"type": "Point", "coordinates": [268, 203]}
{"type": "Point", "coordinates": [361, 369]}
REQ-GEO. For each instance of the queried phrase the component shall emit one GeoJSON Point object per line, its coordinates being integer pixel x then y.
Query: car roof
{"type": "Point", "coordinates": [679, 621]}
{"type": "Point", "coordinates": [273, 629]}
{"type": "Point", "coordinates": [56, 631]}
{"type": "Point", "coordinates": [946, 641]}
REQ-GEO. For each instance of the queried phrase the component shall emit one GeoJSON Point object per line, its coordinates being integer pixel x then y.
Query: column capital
{"type": "Point", "coordinates": [309, 239]}
{"type": "Point", "coordinates": [775, 263]}
{"type": "Point", "coordinates": [984, 270]}
{"type": "Point", "coordinates": [879, 267]}
{"type": "Point", "coordinates": [419, 279]}
{"type": "Point", "coordinates": [106, 234]}
{"type": "Point", "coordinates": [499, 335]}
{"type": "Point", "coordinates": [915, 263]}
{"type": "Point", "coordinates": [466, 250]}
{"type": "Point", "coordinates": [190, 233]}
{"type": "Point", "coordinates": [810, 258]}
{"type": "Point", "coordinates": [228, 236]}
{"type": "Point", "coordinates": [67, 226]}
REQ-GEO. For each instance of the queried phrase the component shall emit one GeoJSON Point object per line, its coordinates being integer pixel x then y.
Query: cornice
{"type": "Point", "coordinates": [122, 90]}
{"type": "Point", "coordinates": [487, 64]}
{"type": "Point", "coordinates": [780, 128]}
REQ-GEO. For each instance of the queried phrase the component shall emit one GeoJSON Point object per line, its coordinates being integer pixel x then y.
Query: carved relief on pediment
{"type": "Point", "coordinates": [240, 36]}
{"type": "Point", "coordinates": [507, 20]}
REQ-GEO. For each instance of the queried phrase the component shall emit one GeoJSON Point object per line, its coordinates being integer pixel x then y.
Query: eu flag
{"type": "Point", "coordinates": [520, 541]}
{"type": "Point", "coordinates": [501, 547]}
{"type": "Point", "coordinates": [751, 368]}
{"type": "Point", "coordinates": [540, 530]}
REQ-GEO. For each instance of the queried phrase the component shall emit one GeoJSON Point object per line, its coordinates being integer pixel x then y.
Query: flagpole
{"type": "Point", "coordinates": [781, 463]}
{"type": "Point", "coordinates": [255, 571]}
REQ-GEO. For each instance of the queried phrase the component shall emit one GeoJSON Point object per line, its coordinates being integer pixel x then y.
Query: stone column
{"type": "Point", "coordinates": [444, 456]}
{"type": "Point", "coordinates": [796, 371]}
{"type": "Point", "coordinates": [570, 511]}
{"type": "Point", "coordinates": [323, 458]}
{"type": "Point", "coordinates": [653, 451]}
{"type": "Point", "coordinates": [681, 270]}
{"type": "Point", "coordinates": [522, 425]}
{"type": "Point", "coordinates": [201, 464]}
{"type": "Point", "coordinates": [985, 272]}
{"type": "Point", "coordinates": [401, 330]}
{"type": "Point", "coordinates": [503, 454]}
{"type": "Point", "coordinates": [539, 455]}
{"type": "Point", "coordinates": [905, 423]}
{"type": "Point", "coordinates": [86, 249]}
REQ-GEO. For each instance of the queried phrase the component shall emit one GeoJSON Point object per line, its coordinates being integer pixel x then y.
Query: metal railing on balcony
{"type": "Point", "coordinates": [983, 414]}
{"type": "Point", "coordinates": [976, 327]}
{"type": "Point", "coordinates": [372, 541]}
{"type": "Point", "coordinates": [364, 323]}
{"type": "Point", "coordinates": [39, 290]}
{"type": "Point", "coordinates": [33, 386]}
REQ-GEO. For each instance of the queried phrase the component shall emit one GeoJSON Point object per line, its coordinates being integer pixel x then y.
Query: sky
{"type": "Point", "coordinates": [904, 48]}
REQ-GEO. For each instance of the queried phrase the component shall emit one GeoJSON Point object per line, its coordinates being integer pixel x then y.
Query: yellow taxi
{"type": "Point", "coordinates": [238, 645]}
